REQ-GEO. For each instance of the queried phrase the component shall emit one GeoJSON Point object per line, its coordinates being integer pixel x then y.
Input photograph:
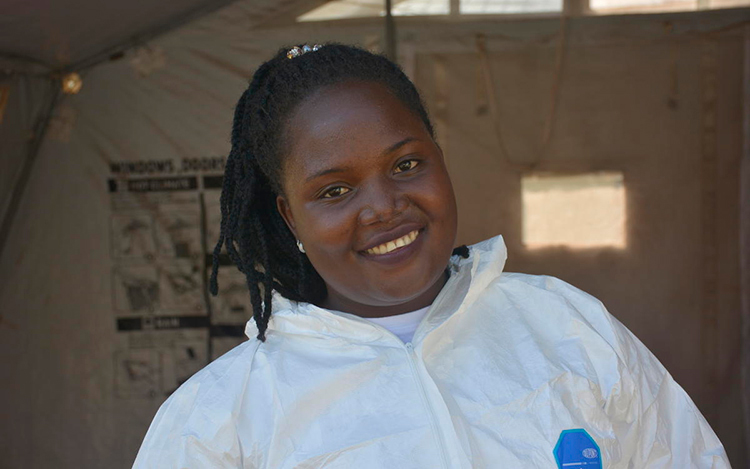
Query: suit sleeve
{"type": "Point", "coordinates": [170, 442]}
{"type": "Point", "coordinates": [197, 426]}
{"type": "Point", "coordinates": [655, 422]}
{"type": "Point", "coordinates": [660, 425]}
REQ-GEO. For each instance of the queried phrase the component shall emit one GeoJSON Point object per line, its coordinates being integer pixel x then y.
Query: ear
{"type": "Point", "coordinates": [286, 213]}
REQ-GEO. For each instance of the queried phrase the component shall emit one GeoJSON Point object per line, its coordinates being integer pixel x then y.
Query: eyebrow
{"type": "Point", "coordinates": [398, 145]}
{"type": "Point", "coordinates": [327, 171]}
{"type": "Point", "coordinates": [388, 150]}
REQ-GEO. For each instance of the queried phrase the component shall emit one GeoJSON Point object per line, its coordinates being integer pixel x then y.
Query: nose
{"type": "Point", "coordinates": [382, 202]}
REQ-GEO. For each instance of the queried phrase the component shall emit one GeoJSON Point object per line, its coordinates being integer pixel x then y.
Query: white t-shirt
{"type": "Point", "coordinates": [403, 325]}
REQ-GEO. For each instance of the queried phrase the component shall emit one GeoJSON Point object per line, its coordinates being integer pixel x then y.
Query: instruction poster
{"type": "Point", "coordinates": [164, 224]}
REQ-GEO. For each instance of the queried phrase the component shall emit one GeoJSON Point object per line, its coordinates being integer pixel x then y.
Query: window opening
{"type": "Point", "coordinates": [656, 6]}
{"type": "Point", "coordinates": [341, 9]}
{"type": "Point", "coordinates": [483, 7]}
{"type": "Point", "coordinates": [580, 210]}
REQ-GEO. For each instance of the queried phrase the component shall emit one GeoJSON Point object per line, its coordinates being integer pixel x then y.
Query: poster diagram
{"type": "Point", "coordinates": [161, 368]}
{"type": "Point", "coordinates": [133, 236]}
{"type": "Point", "coordinates": [232, 304]}
{"type": "Point", "coordinates": [136, 289]}
{"type": "Point", "coordinates": [182, 361]}
{"type": "Point", "coordinates": [181, 288]}
{"type": "Point", "coordinates": [137, 373]}
{"type": "Point", "coordinates": [178, 233]}
{"type": "Point", "coordinates": [160, 290]}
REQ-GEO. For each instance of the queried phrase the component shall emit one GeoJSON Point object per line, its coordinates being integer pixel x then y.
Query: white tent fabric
{"type": "Point", "coordinates": [101, 278]}
{"type": "Point", "coordinates": [70, 33]}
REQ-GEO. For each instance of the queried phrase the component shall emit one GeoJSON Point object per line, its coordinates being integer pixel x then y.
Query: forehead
{"type": "Point", "coordinates": [346, 123]}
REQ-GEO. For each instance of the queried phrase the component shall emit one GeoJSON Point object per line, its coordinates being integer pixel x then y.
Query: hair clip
{"type": "Point", "coordinates": [297, 51]}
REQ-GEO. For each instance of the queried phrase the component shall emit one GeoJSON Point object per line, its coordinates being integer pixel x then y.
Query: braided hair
{"type": "Point", "coordinates": [257, 239]}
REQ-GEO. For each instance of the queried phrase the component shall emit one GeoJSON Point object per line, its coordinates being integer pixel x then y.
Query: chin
{"type": "Point", "coordinates": [399, 291]}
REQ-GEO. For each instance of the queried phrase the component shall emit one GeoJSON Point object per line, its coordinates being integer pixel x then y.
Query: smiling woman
{"type": "Point", "coordinates": [332, 150]}
{"type": "Point", "coordinates": [367, 193]}
{"type": "Point", "coordinates": [378, 344]}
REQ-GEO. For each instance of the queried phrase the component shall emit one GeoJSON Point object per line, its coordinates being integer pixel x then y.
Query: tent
{"type": "Point", "coordinates": [108, 197]}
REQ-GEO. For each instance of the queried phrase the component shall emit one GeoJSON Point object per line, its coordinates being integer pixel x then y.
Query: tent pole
{"type": "Point", "coordinates": [745, 240]}
{"type": "Point", "coordinates": [709, 332]}
{"type": "Point", "coordinates": [28, 164]}
{"type": "Point", "coordinates": [390, 32]}
{"type": "Point", "coordinates": [17, 63]}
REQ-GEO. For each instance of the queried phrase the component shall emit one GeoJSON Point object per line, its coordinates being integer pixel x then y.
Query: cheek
{"type": "Point", "coordinates": [328, 231]}
{"type": "Point", "coordinates": [439, 204]}
{"type": "Point", "coordinates": [438, 200]}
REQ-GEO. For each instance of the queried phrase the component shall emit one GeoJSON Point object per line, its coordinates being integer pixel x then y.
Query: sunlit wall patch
{"type": "Point", "coordinates": [344, 9]}
{"type": "Point", "coordinates": [583, 210]}
{"type": "Point", "coordinates": [609, 7]}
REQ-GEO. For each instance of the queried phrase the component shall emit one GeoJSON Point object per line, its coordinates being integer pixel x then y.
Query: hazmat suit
{"type": "Point", "coordinates": [505, 371]}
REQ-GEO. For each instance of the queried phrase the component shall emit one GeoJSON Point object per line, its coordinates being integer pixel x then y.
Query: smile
{"type": "Point", "coordinates": [390, 246]}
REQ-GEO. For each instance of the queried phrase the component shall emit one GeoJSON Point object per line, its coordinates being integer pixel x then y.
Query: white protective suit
{"type": "Point", "coordinates": [499, 368]}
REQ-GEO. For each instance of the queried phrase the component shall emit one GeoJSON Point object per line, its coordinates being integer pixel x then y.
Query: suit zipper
{"type": "Point", "coordinates": [433, 418]}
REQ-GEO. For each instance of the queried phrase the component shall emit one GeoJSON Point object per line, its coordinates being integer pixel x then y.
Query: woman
{"type": "Point", "coordinates": [378, 348]}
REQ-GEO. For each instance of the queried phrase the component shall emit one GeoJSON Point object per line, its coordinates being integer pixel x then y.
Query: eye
{"type": "Point", "coordinates": [334, 192]}
{"type": "Point", "coordinates": [406, 165]}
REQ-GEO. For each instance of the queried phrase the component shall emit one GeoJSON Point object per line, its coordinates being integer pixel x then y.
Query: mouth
{"type": "Point", "coordinates": [394, 244]}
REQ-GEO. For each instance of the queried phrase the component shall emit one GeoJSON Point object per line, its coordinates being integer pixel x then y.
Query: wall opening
{"type": "Point", "coordinates": [585, 210]}
{"type": "Point", "coordinates": [609, 7]}
{"type": "Point", "coordinates": [341, 9]}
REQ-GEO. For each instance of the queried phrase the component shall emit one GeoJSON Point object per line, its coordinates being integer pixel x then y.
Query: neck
{"type": "Point", "coordinates": [338, 302]}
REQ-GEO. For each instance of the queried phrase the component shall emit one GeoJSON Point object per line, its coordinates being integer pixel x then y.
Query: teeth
{"type": "Point", "coordinates": [385, 248]}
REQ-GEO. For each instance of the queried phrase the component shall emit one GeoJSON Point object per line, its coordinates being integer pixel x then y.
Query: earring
{"type": "Point", "coordinates": [300, 247]}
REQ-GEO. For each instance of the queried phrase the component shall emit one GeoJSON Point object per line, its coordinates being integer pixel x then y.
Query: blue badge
{"type": "Point", "coordinates": [575, 448]}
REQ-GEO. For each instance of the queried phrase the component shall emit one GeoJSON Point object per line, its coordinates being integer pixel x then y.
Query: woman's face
{"type": "Point", "coordinates": [367, 192]}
